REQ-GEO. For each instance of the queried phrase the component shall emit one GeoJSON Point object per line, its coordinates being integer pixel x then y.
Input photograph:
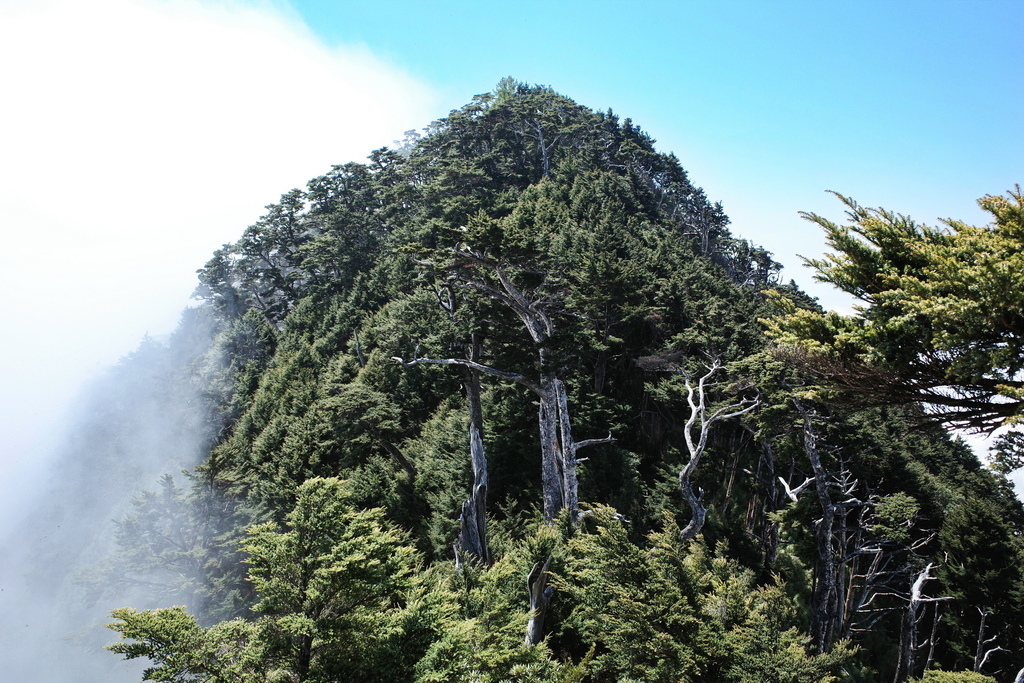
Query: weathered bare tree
{"type": "Point", "coordinates": [540, 597]}
{"type": "Point", "coordinates": [862, 566]}
{"type": "Point", "coordinates": [534, 307]}
{"type": "Point", "coordinates": [473, 269]}
{"type": "Point", "coordinates": [768, 530]}
{"type": "Point", "coordinates": [908, 631]}
{"type": "Point", "coordinates": [874, 569]}
{"type": "Point", "coordinates": [985, 648]}
{"type": "Point", "coordinates": [915, 598]}
{"type": "Point", "coordinates": [473, 519]}
{"type": "Point", "coordinates": [859, 578]}
{"type": "Point", "coordinates": [826, 593]}
{"type": "Point", "coordinates": [695, 434]}
{"type": "Point", "coordinates": [698, 425]}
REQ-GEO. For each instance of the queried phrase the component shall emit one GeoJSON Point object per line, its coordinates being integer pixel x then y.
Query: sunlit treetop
{"type": "Point", "coordinates": [942, 319]}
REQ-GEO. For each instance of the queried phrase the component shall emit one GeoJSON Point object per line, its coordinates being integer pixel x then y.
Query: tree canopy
{"type": "Point", "coordinates": [942, 318]}
{"type": "Point", "coordinates": [497, 405]}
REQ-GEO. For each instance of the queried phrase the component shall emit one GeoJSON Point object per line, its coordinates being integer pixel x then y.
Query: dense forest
{"type": "Point", "coordinates": [508, 402]}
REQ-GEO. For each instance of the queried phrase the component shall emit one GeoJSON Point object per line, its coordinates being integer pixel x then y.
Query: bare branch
{"type": "Point", "coordinates": [793, 493]}
{"type": "Point", "coordinates": [512, 376]}
{"type": "Point", "coordinates": [594, 442]}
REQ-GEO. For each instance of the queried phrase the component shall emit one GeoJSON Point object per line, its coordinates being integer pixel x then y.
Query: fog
{"type": "Point", "coordinates": [136, 137]}
{"type": "Point", "coordinates": [144, 417]}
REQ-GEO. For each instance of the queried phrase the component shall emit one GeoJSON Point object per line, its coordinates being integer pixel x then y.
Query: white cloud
{"type": "Point", "coordinates": [135, 138]}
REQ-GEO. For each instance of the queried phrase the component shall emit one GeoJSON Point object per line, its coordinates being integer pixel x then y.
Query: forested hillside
{"type": "Point", "coordinates": [500, 405]}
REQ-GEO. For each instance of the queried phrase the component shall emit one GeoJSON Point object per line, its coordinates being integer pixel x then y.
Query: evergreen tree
{"type": "Point", "coordinates": [362, 519]}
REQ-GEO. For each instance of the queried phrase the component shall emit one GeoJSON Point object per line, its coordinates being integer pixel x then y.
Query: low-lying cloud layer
{"type": "Point", "coordinates": [135, 138]}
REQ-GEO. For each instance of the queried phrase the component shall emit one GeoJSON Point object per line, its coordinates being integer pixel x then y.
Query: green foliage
{"type": "Point", "coordinates": [331, 587]}
{"type": "Point", "coordinates": [942, 314]}
{"type": "Point", "coordinates": [769, 648]}
{"type": "Point", "coordinates": [329, 583]}
{"type": "Point", "coordinates": [1008, 452]}
{"type": "Point", "coordinates": [483, 641]}
{"type": "Point", "coordinates": [896, 513]}
{"type": "Point", "coordinates": [181, 650]}
{"type": "Point", "coordinates": [671, 612]}
{"type": "Point", "coordinates": [937, 676]}
{"type": "Point", "coordinates": [620, 600]}
{"type": "Point", "coordinates": [163, 542]}
{"type": "Point", "coordinates": [341, 474]}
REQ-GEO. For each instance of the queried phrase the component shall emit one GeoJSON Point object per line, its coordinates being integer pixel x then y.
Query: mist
{"type": "Point", "coordinates": [137, 138]}
{"type": "Point", "coordinates": [145, 417]}
{"type": "Point", "coordinates": [143, 136]}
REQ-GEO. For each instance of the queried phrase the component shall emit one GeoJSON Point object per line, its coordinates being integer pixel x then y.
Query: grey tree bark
{"type": "Point", "coordinates": [473, 521]}
{"type": "Point", "coordinates": [984, 651]}
{"type": "Point", "coordinates": [558, 448]}
{"type": "Point", "coordinates": [540, 598]}
{"type": "Point", "coordinates": [825, 596]}
{"type": "Point", "coordinates": [695, 434]}
{"type": "Point", "coordinates": [908, 633]}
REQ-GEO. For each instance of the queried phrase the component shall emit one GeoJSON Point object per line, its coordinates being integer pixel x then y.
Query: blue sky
{"type": "Point", "coordinates": [137, 136]}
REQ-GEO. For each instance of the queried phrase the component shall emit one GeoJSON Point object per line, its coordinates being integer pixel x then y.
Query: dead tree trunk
{"type": "Point", "coordinates": [550, 448]}
{"type": "Point", "coordinates": [933, 638]}
{"type": "Point", "coordinates": [559, 462]}
{"type": "Point", "coordinates": [983, 651]}
{"type": "Point", "coordinates": [908, 633]}
{"type": "Point", "coordinates": [540, 598]}
{"type": "Point", "coordinates": [558, 449]}
{"type": "Point", "coordinates": [909, 646]}
{"type": "Point", "coordinates": [473, 521]}
{"type": "Point", "coordinates": [473, 518]}
{"type": "Point", "coordinates": [700, 421]}
{"type": "Point", "coordinates": [473, 532]}
{"type": "Point", "coordinates": [765, 475]}
{"type": "Point", "coordinates": [825, 596]}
